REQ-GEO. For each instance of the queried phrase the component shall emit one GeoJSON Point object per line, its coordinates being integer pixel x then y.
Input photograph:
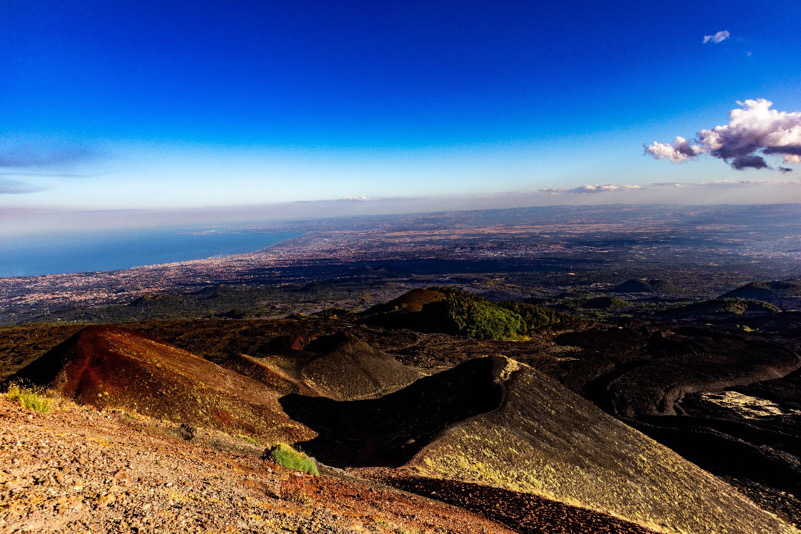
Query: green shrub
{"type": "Point", "coordinates": [29, 399]}
{"type": "Point", "coordinates": [473, 316]}
{"type": "Point", "coordinates": [287, 457]}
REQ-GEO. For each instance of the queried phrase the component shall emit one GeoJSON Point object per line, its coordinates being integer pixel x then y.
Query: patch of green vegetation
{"type": "Point", "coordinates": [248, 439]}
{"type": "Point", "coordinates": [473, 316]}
{"type": "Point", "coordinates": [534, 316]}
{"type": "Point", "coordinates": [289, 458]}
{"type": "Point", "coordinates": [29, 399]}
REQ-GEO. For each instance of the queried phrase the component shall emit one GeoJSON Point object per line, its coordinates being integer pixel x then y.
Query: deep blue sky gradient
{"type": "Point", "coordinates": [359, 98]}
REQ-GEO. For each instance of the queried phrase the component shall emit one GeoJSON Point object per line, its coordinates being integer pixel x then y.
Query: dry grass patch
{"type": "Point", "coordinates": [29, 399]}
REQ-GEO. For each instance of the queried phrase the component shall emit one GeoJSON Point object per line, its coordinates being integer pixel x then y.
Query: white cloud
{"type": "Point", "coordinates": [679, 151]}
{"type": "Point", "coordinates": [754, 131]}
{"type": "Point", "coordinates": [601, 188]}
{"type": "Point", "coordinates": [718, 37]}
{"type": "Point", "coordinates": [654, 190]}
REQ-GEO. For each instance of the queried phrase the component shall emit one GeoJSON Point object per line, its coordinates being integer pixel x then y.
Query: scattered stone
{"type": "Point", "coordinates": [187, 432]}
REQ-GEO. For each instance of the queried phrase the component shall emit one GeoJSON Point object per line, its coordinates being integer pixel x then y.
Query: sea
{"type": "Point", "coordinates": [115, 250]}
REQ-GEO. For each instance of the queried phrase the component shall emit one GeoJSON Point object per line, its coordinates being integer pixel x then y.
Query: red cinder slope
{"type": "Point", "coordinates": [106, 366]}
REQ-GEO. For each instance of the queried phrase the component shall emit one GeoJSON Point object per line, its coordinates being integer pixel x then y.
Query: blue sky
{"type": "Point", "coordinates": [185, 105]}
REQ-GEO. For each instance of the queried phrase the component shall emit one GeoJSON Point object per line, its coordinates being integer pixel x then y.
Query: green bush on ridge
{"type": "Point", "coordinates": [289, 458]}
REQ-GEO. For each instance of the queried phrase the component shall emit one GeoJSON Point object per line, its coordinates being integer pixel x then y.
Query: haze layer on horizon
{"type": "Point", "coordinates": [213, 112]}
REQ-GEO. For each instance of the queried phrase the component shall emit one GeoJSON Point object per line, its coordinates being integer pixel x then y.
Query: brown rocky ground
{"type": "Point", "coordinates": [82, 470]}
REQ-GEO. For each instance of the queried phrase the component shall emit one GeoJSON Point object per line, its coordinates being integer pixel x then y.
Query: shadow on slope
{"type": "Point", "coordinates": [390, 430]}
{"type": "Point", "coordinates": [524, 512]}
{"type": "Point", "coordinates": [693, 387]}
{"type": "Point", "coordinates": [496, 422]}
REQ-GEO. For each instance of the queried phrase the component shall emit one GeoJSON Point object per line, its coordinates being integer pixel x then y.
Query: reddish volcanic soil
{"type": "Point", "coordinates": [79, 470]}
{"type": "Point", "coordinates": [112, 367]}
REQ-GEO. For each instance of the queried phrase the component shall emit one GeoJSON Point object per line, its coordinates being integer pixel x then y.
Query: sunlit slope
{"type": "Point", "coordinates": [112, 367]}
{"type": "Point", "coordinates": [355, 370]}
{"type": "Point", "coordinates": [340, 366]}
{"type": "Point", "coordinates": [546, 440]}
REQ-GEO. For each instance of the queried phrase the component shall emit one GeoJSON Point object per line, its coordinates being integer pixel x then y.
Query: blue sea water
{"type": "Point", "coordinates": [108, 251]}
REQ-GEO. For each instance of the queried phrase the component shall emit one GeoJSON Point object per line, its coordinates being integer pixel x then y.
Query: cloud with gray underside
{"type": "Point", "coordinates": [28, 156]}
{"type": "Point", "coordinates": [718, 37]}
{"type": "Point", "coordinates": [753, 132]}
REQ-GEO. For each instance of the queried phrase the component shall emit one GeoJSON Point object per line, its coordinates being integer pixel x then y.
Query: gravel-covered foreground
{"type": "Point", "coordinates": [80, 470]}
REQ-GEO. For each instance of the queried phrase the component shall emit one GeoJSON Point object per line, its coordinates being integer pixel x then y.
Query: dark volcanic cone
{"type": "Point", "coordinates": [770, 291]}
{"type": "Point", "coordinates": [643, 285]}
{"type": "Point", "coordinates": [353, 370]}
{"type": "Point", "coordinates": [413, 301]}
{"type": "Point", "coordinates": [340, 366]}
